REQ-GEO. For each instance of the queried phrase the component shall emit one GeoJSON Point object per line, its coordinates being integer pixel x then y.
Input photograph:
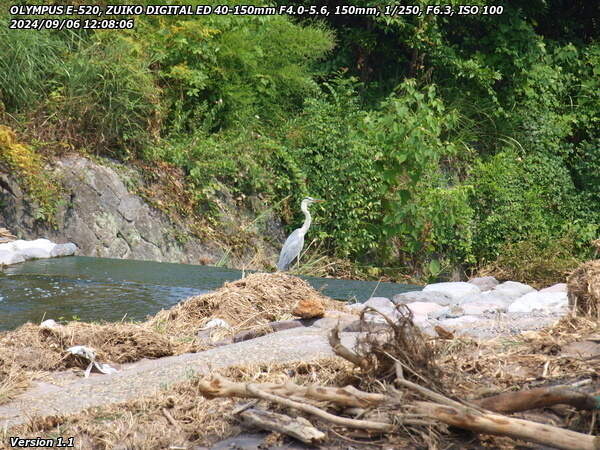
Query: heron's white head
{"type": "Point", "coordinates": [309, 201]}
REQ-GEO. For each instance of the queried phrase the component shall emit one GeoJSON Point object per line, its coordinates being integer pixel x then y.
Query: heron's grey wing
{"type": "Point", "coordinates": [291, 249]}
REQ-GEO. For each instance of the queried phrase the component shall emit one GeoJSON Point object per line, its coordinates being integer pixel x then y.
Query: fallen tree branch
{"type": "Point", "coordinates": [298, 428]}
{"type": "Point", "coordinates": [499, 425]}
{"type": "Point", "coordinates": [439, 398]}
{"type": "Point", "coordinates": [343, 351]}
{"type": "Point", "coordinates": [349, 396]}
{"type": "Point", "coordinates": [510, 402]}
{"type": "Point", "coordinates": [310, 409]}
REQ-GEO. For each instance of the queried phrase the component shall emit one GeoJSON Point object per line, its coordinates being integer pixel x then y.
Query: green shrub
{"type": "Point", "coordinates": [219, 70]}
{"type": "Point", "coordinates": [108, 91]}
{"type": "Point", "coordinates": [329, 150]}
{"type": "Point", "coordinates": [519, 197]}
{"type": "Point", "coordinates": [211, 161]}
{"type": "Point", "coordinates": [536, 261]}
{"type": "Point", "coordinates": [28, 62]}
{"type": "Point", "coordinates": [425, 208]}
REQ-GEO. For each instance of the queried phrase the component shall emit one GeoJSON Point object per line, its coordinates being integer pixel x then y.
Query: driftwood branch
{"type": "Point", "coordinates": [499, 425]}
{"type": "Point", "coordinates": [343, 351]}
{"type": "Point", "coordinates": [511, 402]}
{"type": "Point", "coordinates": [298, 428]}
{"type": "Point", "coordinates": [456, 414]}
{"type": "Point", "coordinates": [349, 396]}
{"type": "Point", "coordinates": [310, 409]}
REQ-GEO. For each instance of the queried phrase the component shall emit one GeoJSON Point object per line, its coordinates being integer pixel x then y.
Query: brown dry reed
{"type": "Point", "coordinates": [246, 304]}
{"type": "Point", "coordinates": [179, 416]}
{"type": "Point", "coordinates": [584, 289]}
{"type": "Point", "coordinates": [401, 341]}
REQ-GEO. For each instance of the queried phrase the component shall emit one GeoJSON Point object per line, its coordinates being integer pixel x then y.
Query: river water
{"type": "Point", "coordinates": [95, 289]}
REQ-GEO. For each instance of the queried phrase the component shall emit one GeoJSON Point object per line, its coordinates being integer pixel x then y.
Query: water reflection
{"type": "Point", "coordinates": [34, 297]}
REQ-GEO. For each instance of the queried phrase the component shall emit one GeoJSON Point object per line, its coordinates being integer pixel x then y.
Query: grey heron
{"type": "Point", "coordinates": [295, 241]}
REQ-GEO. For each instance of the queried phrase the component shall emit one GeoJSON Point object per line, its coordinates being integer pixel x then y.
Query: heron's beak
{"type": "Point", "coordinates": [318, 200]}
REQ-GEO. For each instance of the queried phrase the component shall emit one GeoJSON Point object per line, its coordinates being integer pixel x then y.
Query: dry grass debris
{"type": "Point", "coordinates": [30, 351]}
{"type": "Point", "coordinates": [178, 416]}
{"type": "Point", "coordinates": [34, 348]}
{"type": "Point", "coordinates": [427, 384]}
{"type": "Point", "coordinates": [399, 363]}
{"type": "Point", "coordinates": [584, 289]}
{"type": "Point", "coordinates": [456, 368]}
{"type": "Point", "coordinates": [246, 304]}
{"type": "Point", "coordinates": [6, 236]}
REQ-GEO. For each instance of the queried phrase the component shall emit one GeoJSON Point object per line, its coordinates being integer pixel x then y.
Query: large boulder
{"type": "Point", "coordinates": [421, 296]}
{"type": "Point", "coordinates": [67, 249]}
{"type": "Point", "coordinates": [546, 302]}
{"type": "Point", "coordinates": [488, 296]}
{"type": "Point", "coordinates": [514, 289]}
{"type": "Point", "coordinates": [484, 283]}
{"type": "Point", "coordinates": [558, 287]}
{"type": "Point", "coordinates": [482, 307]}
{"type": "Point", "coordinates": [460, 322]}
{"type": "Point", "coordinates": [8, 257]}
{"type": "Point", "coordinates": [453, 289]}
{"type": "Point", "coordinates": [424, 310]}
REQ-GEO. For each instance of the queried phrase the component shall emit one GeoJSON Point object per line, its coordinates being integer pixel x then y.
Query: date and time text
{"type": "Point", "coordinates": [120, 17]}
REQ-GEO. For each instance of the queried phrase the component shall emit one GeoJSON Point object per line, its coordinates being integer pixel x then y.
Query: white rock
{"type": "Point", "coordinates": [514, 289]}
{"type": "Point", "coordinates": [453, 289]}
{"type": "Point", "coordinates": [420, 296]}
{"type": "Point", "coordinates": [50, 323]}
{"type": "Point", "coordinates": [482, 307]}
{"type": "Point", "coordinates": [460, 322]}
{"type": "Point", "coordinates": [424, 309]}
{"type": "Point", "coordinates": [43, 244]}
{"type": "Point", "coordinates": [382, 305]}
{"type": "Point", "coordinates": [447, 312]}
{"type": "Point", "coordinates": [379, 302]}
{"type": "Point", "coordinates": [547, 302]}
{"type": "Point", "coordinates": [216, 323]}
{"type": "Point", "coordinates": [8, 257]}
{"type": "Point", "coordinates": [356, 306]}
{"type": "Point", "coordinates": [487, 297]}
{"type": "Point", "coordinates": [67, 249]}
{"type": "Point", "coordinates": [484, 283]}
{"type": "Point", "coordinates": [559, 287]}
{"type": "Point", "coordinates": [390, 313]}
{"type": "Point", "coordinates": [7, 246]}
{"type": "Point", "coordinates": [34, 253]}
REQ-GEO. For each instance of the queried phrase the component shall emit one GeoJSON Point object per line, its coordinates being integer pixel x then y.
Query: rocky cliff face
{"type": "Point", "coordinates": [103, 218]}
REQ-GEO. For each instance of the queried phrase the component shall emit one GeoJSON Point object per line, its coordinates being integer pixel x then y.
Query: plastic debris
{"type": "Point", "coordinates": [214, 323]}
{"type": "Point", "coordinates": [90, 354]}
{"type": "Point", "coordinates": [50, 323]}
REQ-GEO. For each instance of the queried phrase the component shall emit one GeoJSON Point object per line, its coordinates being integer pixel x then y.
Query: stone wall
{"type": "Point", "coordinates": [99, 214]}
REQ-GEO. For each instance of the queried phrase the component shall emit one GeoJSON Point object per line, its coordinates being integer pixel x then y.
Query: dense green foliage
{"type": "Point", "coordinates": [438, 141]}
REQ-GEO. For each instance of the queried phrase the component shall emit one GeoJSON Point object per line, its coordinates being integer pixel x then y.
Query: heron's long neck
{"type": "Point", "coordinates": [307, 218]}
